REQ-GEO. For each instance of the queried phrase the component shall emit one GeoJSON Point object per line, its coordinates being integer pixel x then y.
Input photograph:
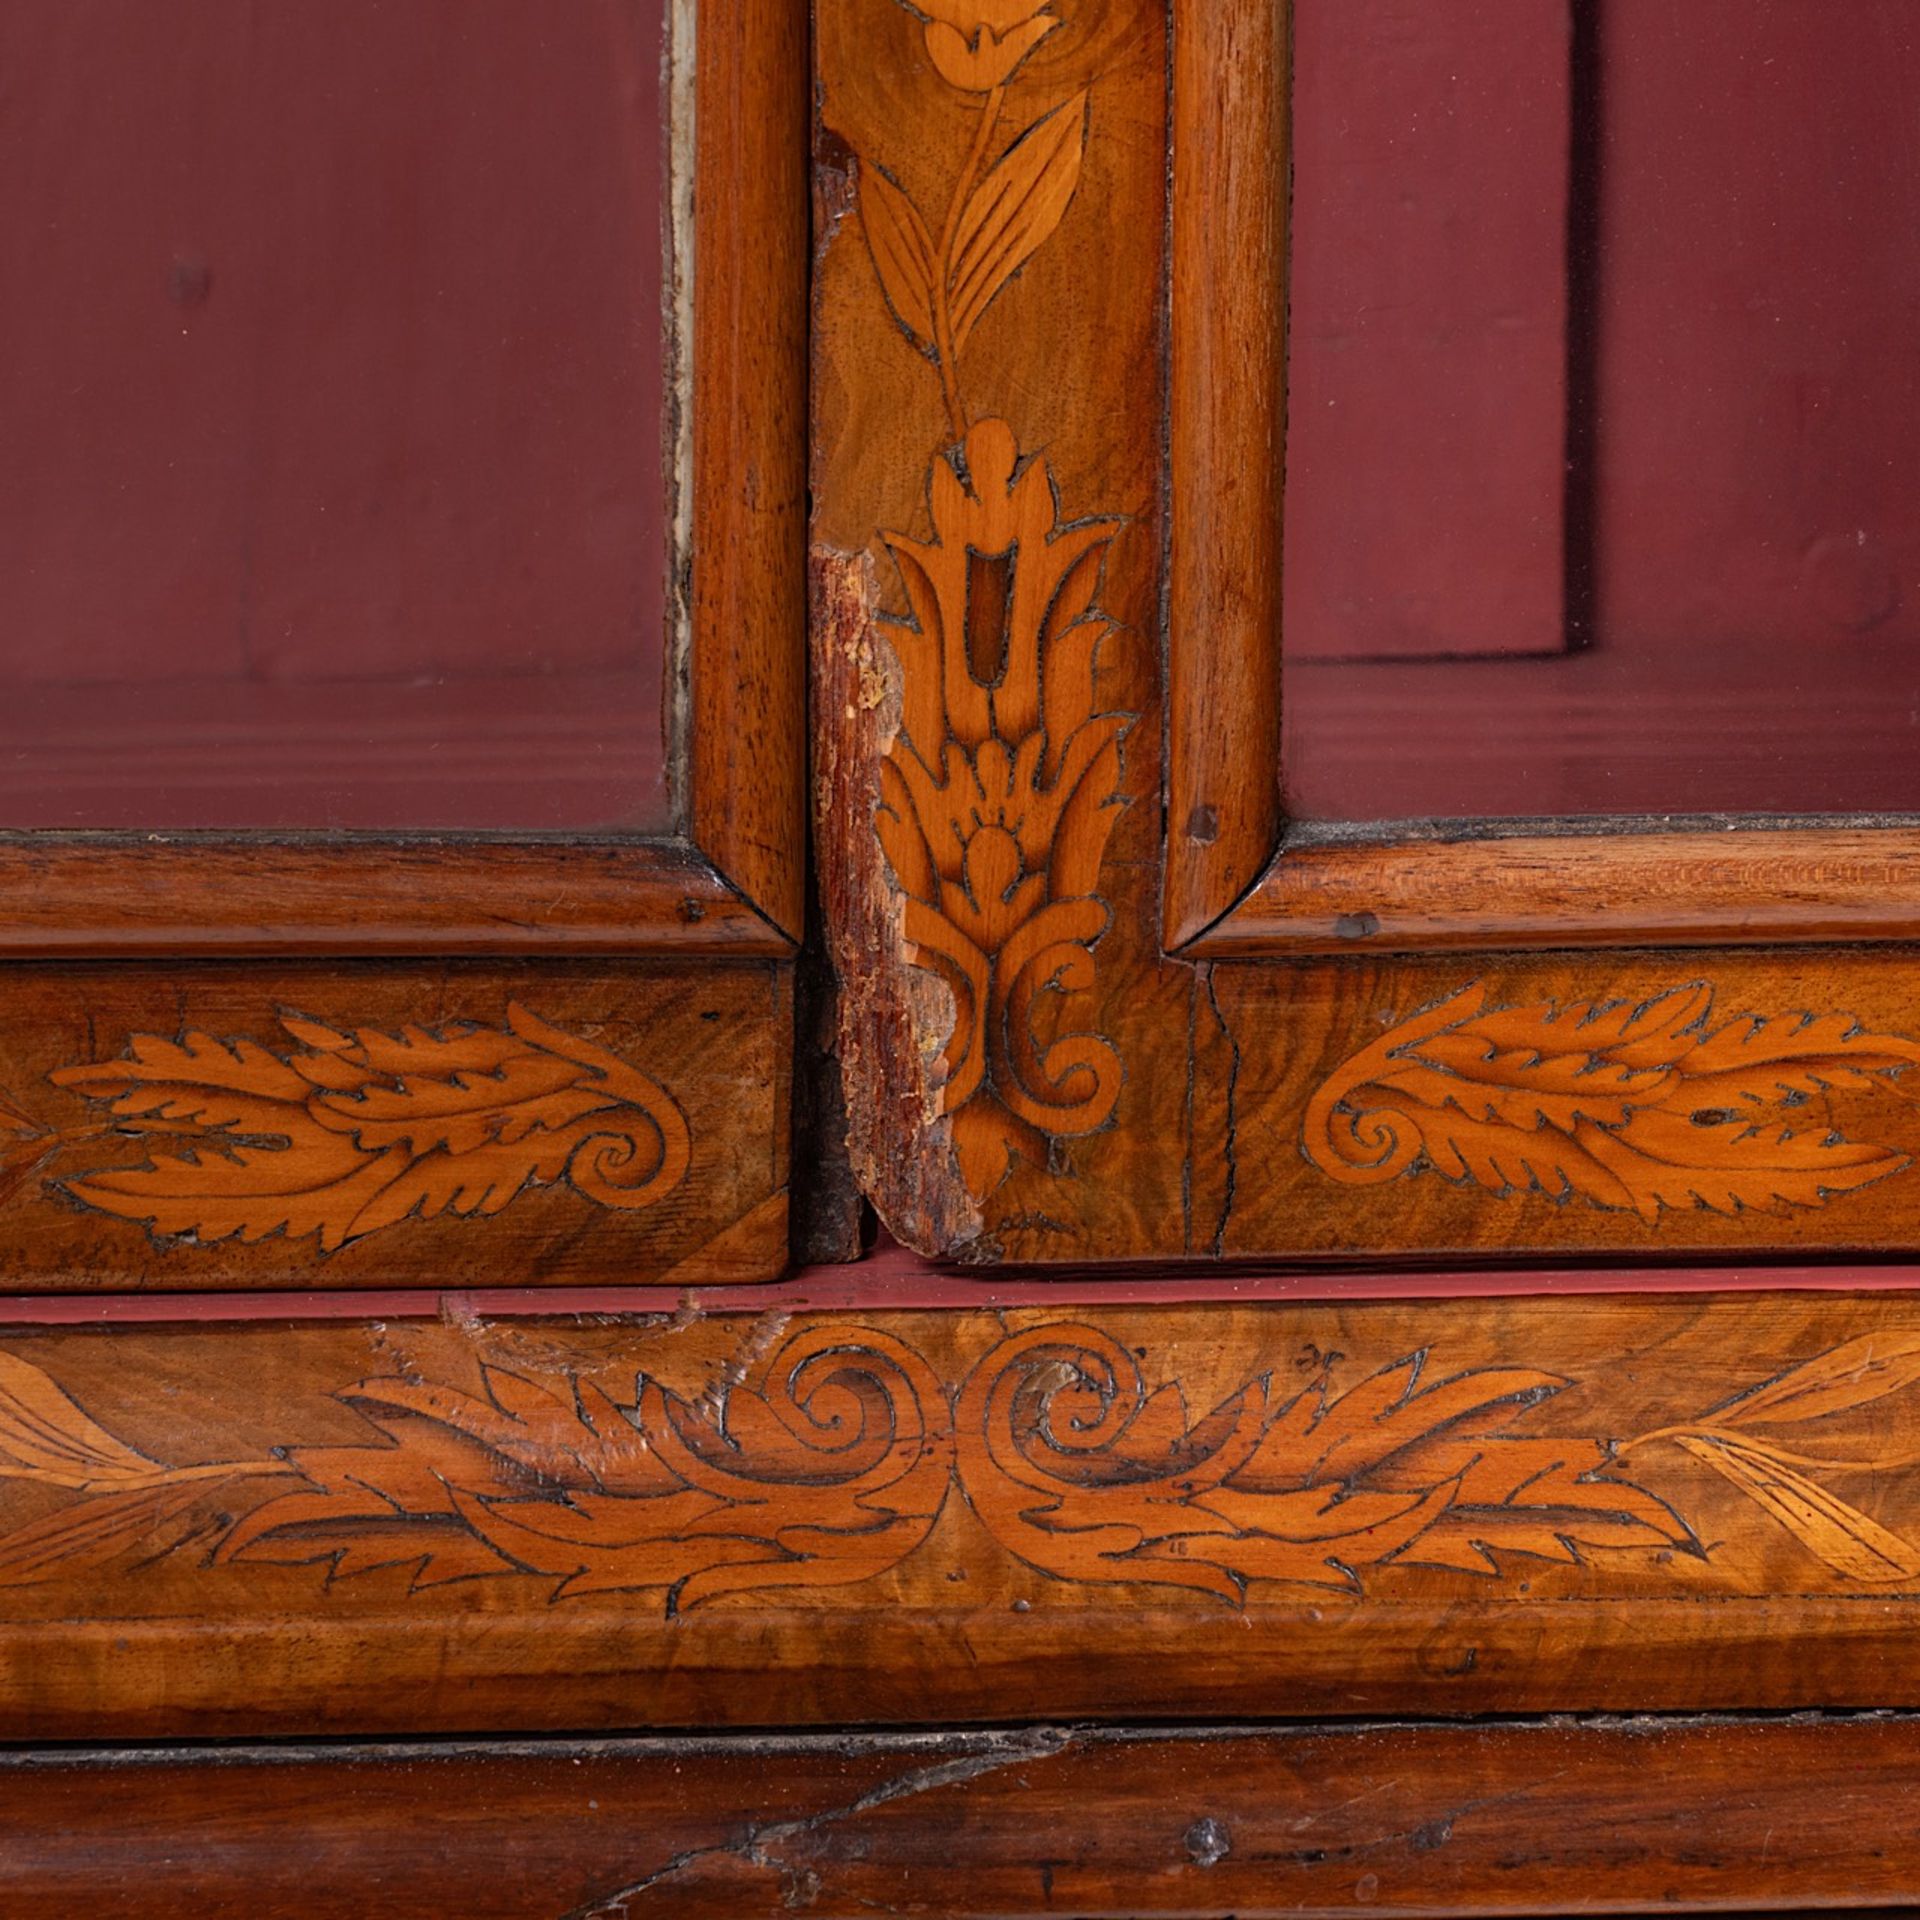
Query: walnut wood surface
{"type": "Point", "coordinates": [1708, 886]}
{"type": "Point", "coordinates": [746, 731]}
{"type": "Point", "coordinates": [985, 536]}
{"type": "Point", "coordinates": [1227, 398]}
{"type": "Point", "coordinates": [243, 1125]}
{"type": "Point", "coordinates": [146, 895]}
{"type": "Point", "coordinates": [1636, 1105]}
{"type": "Point", "coordinates": [1523, 1818]}
{"type": "Point", "coordinates": [730, 1519]}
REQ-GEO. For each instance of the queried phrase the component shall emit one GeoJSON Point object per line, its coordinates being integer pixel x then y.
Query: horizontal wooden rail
{"type": "Point", "coordinates": [1337, 892]}
{"type": "Point", "coordinates": [1518, 1818]}
{"type": "Point", "coordinates": [153, 895]}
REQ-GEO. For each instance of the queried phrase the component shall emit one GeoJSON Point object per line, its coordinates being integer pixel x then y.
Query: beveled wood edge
{"type": "Point", "coordinates": [146, 895]}
{"type": "Point", "coordinates": [1227, 423]}
{"type": "Point", "coordinates": [746, 743]}
{"type": "Point", "coordinates": [1764, 884]}
{"type": "Point", "coordinates": [1366, 1818]}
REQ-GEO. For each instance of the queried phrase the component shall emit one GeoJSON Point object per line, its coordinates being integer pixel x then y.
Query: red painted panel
{"type": "Point", "coordinates": [1758, 411]}
{"type": "Point", "coordinates": [1753, 438]}
{"type": "Point", "coordinates": [1427, 378]}
{"type": "Point", "coordinates": [332, 406]}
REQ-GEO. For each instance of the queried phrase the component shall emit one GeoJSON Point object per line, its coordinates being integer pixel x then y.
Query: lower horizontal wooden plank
{"type": "Point", "coordinates": [1530, 1818]}
{"type": "Point", "coordinates": [747, 1519]}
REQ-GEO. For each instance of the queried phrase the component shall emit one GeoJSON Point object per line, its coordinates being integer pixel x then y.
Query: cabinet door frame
{"type": "Point", "coordinates": [1242, 880]}
{"type": "Point", "coordinates": [728, 880]}
{"type": "Point", "coordinates": [604, 1024]}
{"type": "Point", "coordinates": [1159, 1027]}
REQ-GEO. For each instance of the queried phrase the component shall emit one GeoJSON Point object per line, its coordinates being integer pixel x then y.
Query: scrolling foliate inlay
{"type": "Point", "coordinates": [1001, 790]}
{"type": "Point", "coordinates": [343, 1134]}
{"type": "Point", "coordinates": [1632, 1107]}
{"type": "Point", "coordinates": [831, 1460]}
{"type": "Point", "coordinates": [828, 1464]}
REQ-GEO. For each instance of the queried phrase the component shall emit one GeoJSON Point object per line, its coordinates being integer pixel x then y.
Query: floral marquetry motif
{"type": "Point", "coordinates": [830, 1459]}
{"type": "Point", "coordinates": [900, 1515]}
{"type": "Point", "coordinates": [998, 800]}
{"type": "Point", "coordinates": [828, 1465]}
{"type": "Point", "coordinates": [977, 44]}
{"type": "Point", "coordinates": [1080, 1468]}
{"type": "Point", "coordinates": [1001, 790]}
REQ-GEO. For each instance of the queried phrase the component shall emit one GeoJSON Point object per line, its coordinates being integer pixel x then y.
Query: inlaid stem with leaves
{"type": "Point", "coordinates": [943, 335]}
{"type": "Point", "coordinates": [998, 797]}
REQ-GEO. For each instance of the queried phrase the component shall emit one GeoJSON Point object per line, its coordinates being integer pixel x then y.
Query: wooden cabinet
{"type": "Point", "coordinates": [406, 600]}
{"type": "Point", "coordinates": [1013, 1162]}
{"type": "Point", "coordinates": [1144, 999]}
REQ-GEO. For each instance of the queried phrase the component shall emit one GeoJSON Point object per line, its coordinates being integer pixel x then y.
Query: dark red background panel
{"type": "Point", "coordinates": [1740, 421]}
{"type": "Point", "coordinates": [332, 411]}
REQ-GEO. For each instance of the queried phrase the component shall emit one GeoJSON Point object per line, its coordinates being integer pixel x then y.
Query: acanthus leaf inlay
{"type": "Point", "coordinates": [345, 1133]}
{"type": "Point", "coordinates": [1000, 793]}
{"type": "Point", "coordinates": [1631, 1106]}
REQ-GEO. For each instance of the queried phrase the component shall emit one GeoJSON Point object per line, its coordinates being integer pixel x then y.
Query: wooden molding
{"type": "Point", "coordinates": [1736, 884]}
{"type": "Point", "coordinates": [726, 1519]}
{"type": "Point", "coordinates": [1227, 402]}
{"type": "Point", "coordinates": [1241, 881]}
{"type": "Point", "coordinates": [137, 896]}
{"type": "Point", "coordinates": [1519, 1818]}
{"type": "Point", "coordinates": [746, 727]}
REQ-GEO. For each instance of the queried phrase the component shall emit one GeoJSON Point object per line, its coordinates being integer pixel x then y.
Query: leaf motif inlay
{"type": "Point", "coordinates": [1634, 1107]}
{"type": "Point", "coordinates": [831, 1461]}
{"type": "Point", "coordinates": [343, 1133]}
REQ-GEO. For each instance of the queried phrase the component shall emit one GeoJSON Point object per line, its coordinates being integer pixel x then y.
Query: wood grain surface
{"type": "Point", "coordinates": [745, 722]}
{"type": "Point", "coordinates": [717, 1519]}
{"type": "Point", "coordinates": [231, 1125]}
{"type": "Point", "coordinates": [1633, 1105]}
{"type": "Point", "coordinates": [985, 541]}
{"type": "Point", "coordinates": [194, 895]}
{"type": "Point", "coordinates": [1591, 884]}
{"type": "Point", "coordinates": [1227, 430]}
{"type": "Point", "coordinates": [1524, 1818]}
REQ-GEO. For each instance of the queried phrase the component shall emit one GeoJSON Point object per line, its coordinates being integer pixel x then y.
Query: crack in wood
{"type": "Point", "coordinates": [758, 1845]}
